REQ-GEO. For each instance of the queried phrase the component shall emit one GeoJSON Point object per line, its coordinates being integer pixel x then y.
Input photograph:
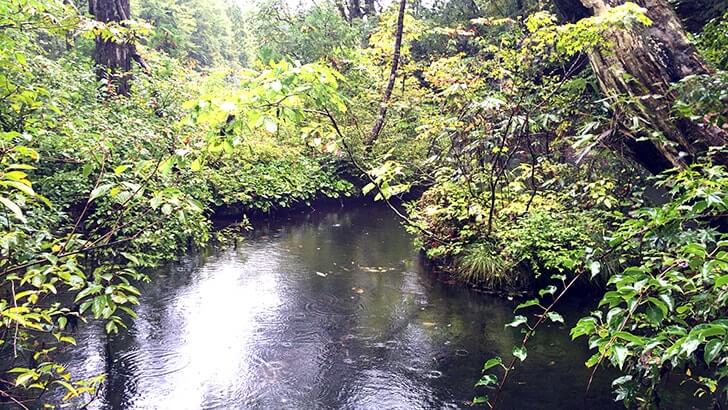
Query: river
{"type": "Point", "coordinates": [327, 309]}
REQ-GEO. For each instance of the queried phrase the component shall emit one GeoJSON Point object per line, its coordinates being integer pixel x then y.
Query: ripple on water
{"type": "Point", "coordinates": [327, 305]}
{"type": "Point", "coordinates": [149, 363]}
{"type": "Point", "coordinates": [433, 374]}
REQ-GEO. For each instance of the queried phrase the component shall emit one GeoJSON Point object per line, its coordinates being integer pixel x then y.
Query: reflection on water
{"type": "Point", "coordinates": [327, 310]}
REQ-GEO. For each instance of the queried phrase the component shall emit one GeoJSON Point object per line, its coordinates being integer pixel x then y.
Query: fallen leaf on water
{"type": "Point", "coordinates": [429, 324]}
{"type": "Point", "coordinates": [375, 269]}
{"type": "Point", "coordinates": [323, 275]}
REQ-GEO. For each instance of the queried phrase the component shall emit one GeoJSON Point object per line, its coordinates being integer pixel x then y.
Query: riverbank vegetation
{"type": "Point", "coordinates": [549, 146]}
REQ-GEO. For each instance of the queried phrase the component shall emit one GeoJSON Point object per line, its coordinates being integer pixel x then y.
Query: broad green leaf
{"type": "Point", "coordinates": [555, 317]}
{"type": "Point", "coordinates": [487, 380]}
{"type": "Point", "coordinates": [619, 355]}
{"type": "Point", "coordinates": [517, 321]}
{"type": "Point", "coordinates": [14, 208]}
{"type": "Point", "coordinates": [480, 399]}
{"type": "Point", "coordinates": [492, 363]}
{"type": "Point", "coordinates": [99, 191]}
{"type": "Point", "coordinates": [595, 267]}
{"type": "Point", "coordinates": [712, 350]}
{"type": "Point", "coordinates": [528, 303]}
{"type": "Point", "coordinates": [629, 337]}
{"type": "Point", "coordinates": [520, 352]}
{"type": "Point", "coordinates": [549, 290]}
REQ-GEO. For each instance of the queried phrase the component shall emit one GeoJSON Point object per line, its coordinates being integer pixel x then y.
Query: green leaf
{"type": "Point", "coordinates": [555, 317]}
{"type": "Point", "coordinates": [196, 165]}
{"type": "Point", "coordinates": [24, 378]}
{"type": "Point", "coordinates": [520, 352]}
{"type": "Point", "coordinates": [492, 363]}
{"type": "Point", "coordinates": [593, 360]}
{"type": "Point", "coordinates": [99, 191]}
{"type": "Point", "coordinates": [528, 303]}
{"type": "Point", "coordinates": [91, 289]}
{"type": "Point", "coordinates": [629, 337]}
{"type": "Point", "coordinates": [72, 392]}
{"type": "Point", "coordinates": [120, 169]}
{"type": "Point", "coordinates": [480, 399]}
{"type": "Point", "coordinates": [549, 290]}
{"type": "Point", "coordinates": [367, 188]}
{"type": "Point", "coordinates": [111, 327]}
{"type": "Point", "coordinates": [595, 267]}
{"type": "Point", "coordinates": [23, 187]}
{"type": "Point", "coordinates": [619, 355]}
{"type": "Point", "coordinates": [517, 321]}
{"type": "Point", "coordinates": [660, 305]}
{"type": "Point", "coordinates": [487, 380]}
{"type": "Point", "coordinates": [712, 350]}
{"type": "Point", "coordinates": [690, 345]}
{"type": "Point", "coordinates": [14, 208]}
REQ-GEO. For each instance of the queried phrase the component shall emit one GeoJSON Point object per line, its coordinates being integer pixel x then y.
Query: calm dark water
{"type": "Point", "coordinates": [328, 310]}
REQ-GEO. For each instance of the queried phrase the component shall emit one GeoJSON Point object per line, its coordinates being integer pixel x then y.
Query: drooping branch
{"type": "Point", "coordinates": [379, 124]}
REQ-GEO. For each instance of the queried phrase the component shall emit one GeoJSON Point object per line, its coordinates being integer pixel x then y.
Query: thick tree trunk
{"type": "Point", "coordinates": [644, 63]}
{"type": "Point", "coordinates": [355, 11]}
{"type": "Point", "coordinates": [113, 59]}
{"type": "Point", "coordinates": [384, 105]}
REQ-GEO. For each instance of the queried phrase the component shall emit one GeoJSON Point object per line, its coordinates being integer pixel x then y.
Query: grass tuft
{"type": "Point", "coordinates": [482, 265]}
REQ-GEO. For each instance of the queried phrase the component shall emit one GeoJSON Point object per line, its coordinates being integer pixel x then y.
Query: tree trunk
{"type": "Point", "coordinates": [644, 63]}
{"type": "Point", "coordinates": [354, 9]}
{"type": "Point", "coordinates": [369, 8]}
{"type": "Point", "coordinates": [379, 124]}
{"type": "Point", "coordinates": [113, 59]}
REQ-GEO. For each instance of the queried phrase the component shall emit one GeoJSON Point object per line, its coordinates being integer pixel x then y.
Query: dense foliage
{"type": "Point", "coordinates": [96, 188]}
{"type": "Point", "coordinates": [529, 165]}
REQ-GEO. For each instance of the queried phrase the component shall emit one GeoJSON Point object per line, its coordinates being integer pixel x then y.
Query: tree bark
{"type": "Point", "coordinates": [644, 63]}
{"type": "Point", "coordinates": [379, 124]}
{"type": "Point", "coordinates": [113, 59]}
{"type": "Point", "coordinates": [369, 8]}
{"type": "Point", "coordinates": [355, 11]}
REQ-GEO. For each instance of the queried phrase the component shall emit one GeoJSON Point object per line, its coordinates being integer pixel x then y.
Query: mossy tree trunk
{"type": "Point", "coordinates": [644, 64]}
{"type": "Point", "coordinates": [113, 59]}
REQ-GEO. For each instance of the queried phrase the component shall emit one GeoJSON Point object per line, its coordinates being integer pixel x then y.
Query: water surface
{"type": "Point", "coordinates": [326, 310]}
